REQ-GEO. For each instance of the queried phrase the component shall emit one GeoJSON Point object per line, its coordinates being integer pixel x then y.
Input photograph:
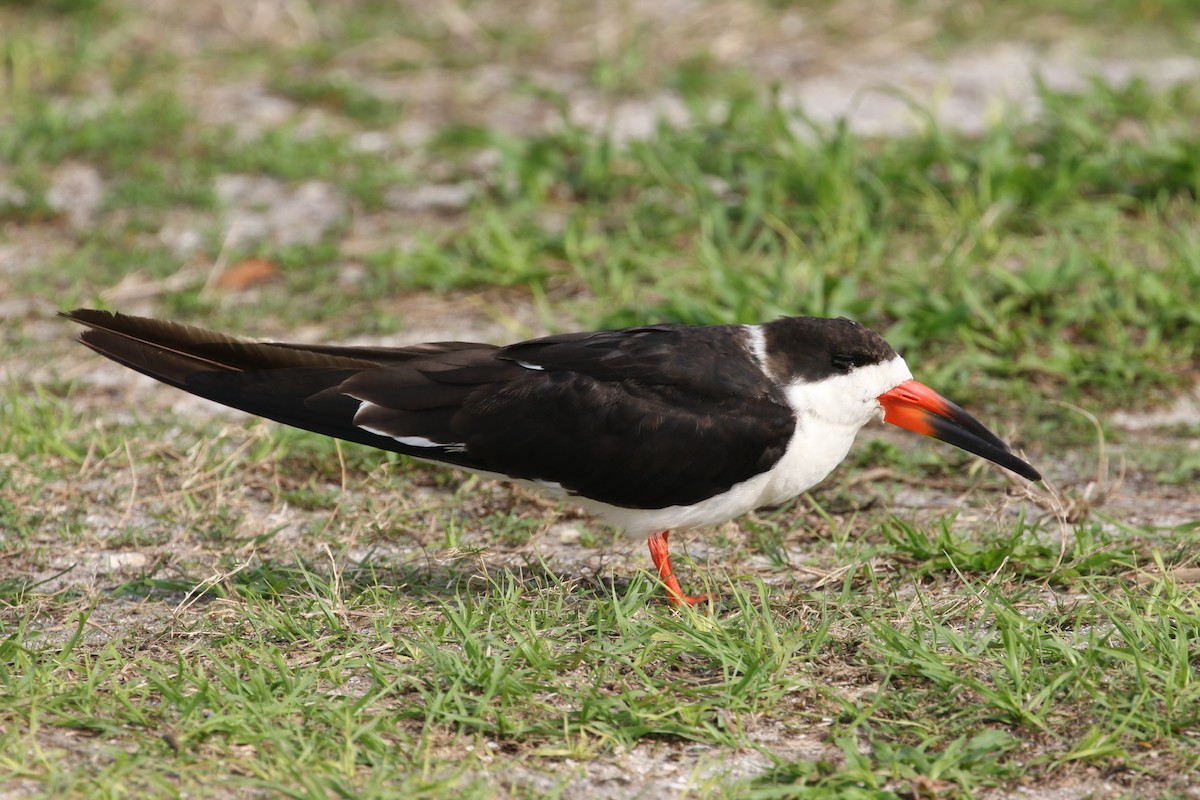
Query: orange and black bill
{"type": "Point", "coordinates": [920, 409]}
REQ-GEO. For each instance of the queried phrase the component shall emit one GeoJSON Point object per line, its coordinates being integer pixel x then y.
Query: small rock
{"type": "Point", "coordinates": [261, 208]}
{"type": "Point", "coordinates": [132, 560]}
{"type": "Point", "coordinates": [435, 197]}
{"type": "Point", "coordinates": [75, 192]}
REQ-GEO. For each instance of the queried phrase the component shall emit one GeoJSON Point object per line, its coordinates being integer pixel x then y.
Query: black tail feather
{"type": "Point", "coordinates": [153, 346]}
{"type": "Point", "coordinates": [286, 383]}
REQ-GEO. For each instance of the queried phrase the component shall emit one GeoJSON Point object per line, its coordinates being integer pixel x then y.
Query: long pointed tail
{"type": "Point", "coordinates": [170, 352]}
{"type": "Point", "coordinates": [287, 383]}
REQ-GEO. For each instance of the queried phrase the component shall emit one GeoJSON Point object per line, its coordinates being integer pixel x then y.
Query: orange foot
{"type": "Point", "coordinates": [662, 560]}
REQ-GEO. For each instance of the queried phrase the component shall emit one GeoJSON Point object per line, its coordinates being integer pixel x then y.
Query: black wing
{"type": "Point", "coordinates": [638, 418]}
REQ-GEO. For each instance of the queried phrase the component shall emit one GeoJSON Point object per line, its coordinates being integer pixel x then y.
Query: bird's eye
{"type": "Point", "coordinates": [843, 362]}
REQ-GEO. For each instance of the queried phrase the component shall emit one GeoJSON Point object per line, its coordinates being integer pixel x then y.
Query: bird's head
{"type": "Point", "coordinates": [845, 374]}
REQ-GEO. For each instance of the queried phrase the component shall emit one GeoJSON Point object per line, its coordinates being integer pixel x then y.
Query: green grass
{"type": "Point", "coordinates": [342, 683]}
{"type": "Point", "coordinates": [193, 603]}
{"type": "Point", "coordinates": [745, 218]}
{"type": "Point", "coordinates": [957, 657]}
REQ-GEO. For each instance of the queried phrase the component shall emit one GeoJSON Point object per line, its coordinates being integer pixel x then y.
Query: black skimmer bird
{"type": "Point", "coordinates": [656, 429]}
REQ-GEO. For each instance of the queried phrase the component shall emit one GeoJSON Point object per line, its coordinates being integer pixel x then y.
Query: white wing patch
{"type": "Point", "coordinates": [417, 441]}
{"type": "Point", "coordinates": [758, 347]}
{"type": "Point", "coordinates": [527, 365]}
{"type": "Point", "coordinates": [411, 441]}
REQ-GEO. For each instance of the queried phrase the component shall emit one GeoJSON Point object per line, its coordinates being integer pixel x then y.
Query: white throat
{"type": "Point", "coordinates": [829, 414]}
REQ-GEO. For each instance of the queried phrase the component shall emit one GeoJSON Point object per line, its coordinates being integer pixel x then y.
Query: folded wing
{"type": "Point", "coordinates": [640, 418]}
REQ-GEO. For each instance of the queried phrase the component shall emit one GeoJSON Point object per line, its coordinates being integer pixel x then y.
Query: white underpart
{"type": "Point", "coordinates": [829, 414]}
{"type": "Point", "coordinates": [758, 346]}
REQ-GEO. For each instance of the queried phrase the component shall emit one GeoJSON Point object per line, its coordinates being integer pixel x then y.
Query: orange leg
{"type": "Point", "coordinates": [662, 560]}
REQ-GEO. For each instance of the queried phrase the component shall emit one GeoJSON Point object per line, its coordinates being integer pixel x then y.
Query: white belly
{"type": "Point", "coordinates": [805, 463]}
